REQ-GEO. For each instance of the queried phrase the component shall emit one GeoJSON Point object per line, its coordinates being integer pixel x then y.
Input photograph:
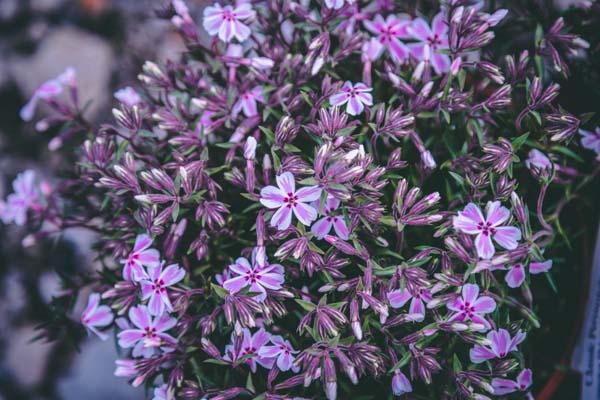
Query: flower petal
{"type": "Point", "coordinates": [322, 227]}
{"type": "Point", "coordinates": [507, 236]}
{"type": "Point", "coordinates": [286, 183]}
{"type": "Point", "coordinates": [282, 218]}
{"type": "Point", "coordinates": [496, 213]}
{"type": "Point", "coordinates": [485, 247]}
{"type": "Point", "coordinates": [308, 194]}
{"type": "Point", "coordinates": [515, 276]}
{"type": "Point", "coordinates": [305, 213]}
{"type": "Point", "coordinates": [271, 197]}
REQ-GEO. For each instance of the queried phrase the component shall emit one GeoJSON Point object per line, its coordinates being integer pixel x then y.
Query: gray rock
{"type": "Point", "coordinates": [8, 9]}
{"type": "Point", "coordinates": [26, 360]}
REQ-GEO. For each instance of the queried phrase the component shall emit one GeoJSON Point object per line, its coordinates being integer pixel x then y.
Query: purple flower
{"type": "Point", "coordinates": [26, 196]}
{"type": "Point", "coordinates": [287, 199]}
{"type": "Point", "coordinates": [470, 307]}
{"type": "Point", "coordinates": [96, 316]}
{"type": "Point", "coordinates": [48, 91]}
{"type": "Point", "coordinates": [400, 297]}
{"type": "Point", "coordinates": [128, 96]}
{"type": "Point", "coordinates": [505, 386]}
{"type": "Point", "coordinates": [500, 345]}
{"type": "Point", "coordinates": [163, 393]}
{"type": "Point", "coordinates": [141, 256]}
{"type": "Point", "coordinates": [154, 287]}
{"type": "Point", "coordinates": [436, 37]}
{"type": "Point", "coordinates": [336, 4]}
{"type": "Point", "coordinates": [355, 95]}
{"type": "Point", "coordinates": [591, 140]}
{"type": "Point", "coordinates": [472, 222]}
{"type": "Point", "coordinates": [148, 332]}
{"type": "Point", "coordinates": [322, 227]}
{"type": "Point", "coordinates": [226, 22]}
{"type": "Point", "coordinates": [247, 102]}
{"type": "Point", "coordinates": [400, 384]}
{"type": "Point", "coordinates": [249, 349]}
{"type": "Point", "coordinates": [516, 274]}
{"type": "Point", "coordinates": [538, 160]}
{"type": "Point", "coordinates": [282, 351]}
{"type": "Point", "coordinates": [389, 32]}
{"type": "Point", "coordinates": [259, 276]}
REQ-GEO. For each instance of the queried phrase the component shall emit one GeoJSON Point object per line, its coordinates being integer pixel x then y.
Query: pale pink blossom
{"type": "Point", "coordinates": [400, 383]}
{"type": "Point", "coordinates": [141, 256]}
{"type": "Point", "coordinates": [26, 196]}
{"type": "Point", "coordinates": [249, 349]}
{"type": "Point", "coordinates": [247, 102]}
{"type": "Point", "coordinates": [128, 96]}
{"type": "Point", "coordinates": [538, 160]}
{"type": "Point", "coordinates": [258, 276]}
{"type": "Point", "coordinates": [435, 37]}
{"type": "Point", "coordinates": [163, 393]}
{"type": "Point", "coordinates": [49, 90]}
{"type": "Point", "coordinates": [591, 140]}
{"type": "Point", "coordinates": [501, 344]}
{"type": "Point", "coordinates": [472, 222]}
{"type": "Point", "coordinates": [147, 333]}
{"type": "Point", "coordinates": [331, 219]}
{"type": "Point", "coordinates": [516, 274]}
{"type": "Point", "coordinates": [228, 22]}
{"type": "Point", "coordinates": [470, 307]}
{"type": "Point", "coordinates": [505, 386]}
{"type": "Point", "coordinates": [287, 200]}
{"type": "Point", "coordinates": [282, 351]}
{"type": "Point", "coordinates": [400, 297]}
{"type": "Point", "coordinates": [356, 96]}
{"type": "Point", "coordinates": [155, 287]}
{"type": "Point", "coordinates": [96, 316]}
{"type": "Point", "coordinates": [389, 32]}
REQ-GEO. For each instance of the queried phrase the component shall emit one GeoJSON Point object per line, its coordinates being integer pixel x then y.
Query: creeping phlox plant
{"type": "Point", "coordinates": [324, 199]}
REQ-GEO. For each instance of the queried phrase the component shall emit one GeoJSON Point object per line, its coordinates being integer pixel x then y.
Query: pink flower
{"type": "Point", "coordinates": [471, 307]}
{"type": "Point", "coordinates": [282, 351]}
{"type": "Point", "coordinates": [355, 95]}
{"type": "Point", "coordinates": [516, 274]}
{"type": "Point", "coordinates": [591, 140]}
{"type": "Point", "coordinates": [436, 37]}
{"type": "Point", "coordinates": [163, 393]}
{"type": "Point", "coordinates": [26, 196]}
{"type": "Point", "coordinates": [96, 316]}
{"type": "Point", "coordinates": [389, 32]}
{"type": "Point", "coordinates": [472, 222]}
{"type": "Point", "coordinates": [400, 384]}
{"type": "Point", "coordinates": [249, 349]}
{"type": "Point", "coordinates": [49, 90]}
{"type": "Point", "coordinates": [288, 200]}
{"type": "Point", "coordinates": [226, 22]}
{"type": "Point", "coordinates": [400, 297]}
{"type": "Point", "coordinates": [141, 256]}
{"type": "Point", "coordinates": [500, 345]}
{"type": "Point", "coordinates": [322, 227]}
{"type": "Point", "coordinates": [128, 96]}
{"type": "Point", "coordinates": [505, 386]}
{"type": "Point", "coordinates": [259, 276]}
{"type": "Point", "coordinates": [538, 160]}
{"type": "Point", "coordinates": [247, 102]}
{"type": "Point", "coordinates": [148, 332]}
{"type": "Point", "coordinates": [336, 4]}
{"type": "Point", "coordinates": [155, 287]}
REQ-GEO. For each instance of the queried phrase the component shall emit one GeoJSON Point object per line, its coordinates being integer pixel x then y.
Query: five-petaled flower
{"type": "Point", "coordinates": [400, 297]}
{"type": "Point", "coordinates": [148, 333]}
{"type": "Point", "coordinates": [128, 96]}
{"type": "Point", "coordinates": [26, 196]}
{"type": "Point", "coordinates": [470, 307]}
{"type": "Point", "coordinates": [155, 287]}
{"type": "Point", "coordinates": [357, 96]}
{"type": "Point", "coordinates": [96, 316]}
{"type": "Point", "coordinates": [141, 256]}
{"type": "Point", "coordinates": [49, 90]}
{"type": "Point", "coordinates": [259, 276]}
{"type": "Point", "coordinates": [591, 140]}
{"type": "Point", "coordinates": [226, 22]}
{"type": "Point", "coordinates": [472, 222]}
{"type": "Point", "coordinates": [389, 32]}
{"type": "Point", "coordinates": [322, 227]}
{"type": "Point", "coordinates": [400, 383]}
{"type": "Point", "coordinates": [163, 392]}
{"type": "Point", "coordinates": [282, 351]}
{"type": "Point", "coordinates": [505, 386]}
{"type": "Point", "coordinates": [516, 274]}
{"type": "Point", "coordinates": [249, 349]}
{"type": "Point", "coordinates": [436, 37]}
{"type": "Point", "coordinates": [288, 200]}
{"type": "Point", "coordinates": [247, 102]}
{"type": "Point", "coordinates": [500, 345]}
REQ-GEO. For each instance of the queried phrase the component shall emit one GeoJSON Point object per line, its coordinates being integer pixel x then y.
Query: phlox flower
{"type": "Point", "coordinates": [96, 316]}
{"type": "Point", "coordinates": [128, 96]}
{"type": "Point", "coordinates": [26, 196]}
{"type": "Point", "coordinates": [141, 256]}
{"type": "Point", "coordinates": [516, 274]}
{"type": "Point", "coordinates": [400, 297]}
{"type": "Point", "coordinates": [470, 307]}
{"type": "Point", "coordinates": [472, 222]}
{"type": "Point", "coordinates": [505, 386]}
{"type": "Point", "coordinates": [227, 21]}
{"type": "Point", "coordinates": [287, 200]}
{"type": "Point", "coordinates": [155, 286]}
{"type": "Point", "coordinates": [591, 140]}
{"type": "Point", "coordinates": [538, 160]}
{"type": "Point", "coordinates": [148, 332]}
{"type": "Point", "coordinates": [250, 348]}
{"type": "Point", "coordinates": [436, 37]}
{"type": "Point", "coordinates": [48, 90]}
{"type": "Point", "coordinates": [247, 102]}
{"type": "Point", "coordinates": [389, 32]}
{"type": "Point", "coordinates": [259, 276]}
{"type": "Point", "coordinates": [323, 226]}
{"type": "Point", "coordinates": [282, 351]}
{"type": "Point", "coordinates": [500, 345]}
{"type": "Point", "coordinates": [163, 393]}
{"type": "Point", "coordinates": [400, 384]}
{"type": "Point", "coordinates": [356, 96]}
{"type": "Point", "coordinates": [337, 4]}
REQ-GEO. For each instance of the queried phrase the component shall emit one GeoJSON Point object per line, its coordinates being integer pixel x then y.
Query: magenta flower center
{"type": "Point", "coordinates": [291, 200]}
{"type": "Point", "coordinates": [159, 286]}
{"type": "Point", "coordinates": [467, 308]}
{"type": "Point", "coordinates": [228, 16]}
{"type": "Point", "coordinates": [150, 332]}
{"type": "Point", "coordinates": [486, 228]}
{"type": "Point", "coordinates": [434, 41]}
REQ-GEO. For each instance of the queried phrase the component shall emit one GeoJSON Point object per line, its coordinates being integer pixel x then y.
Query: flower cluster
{"type": "Point", "coordinates": [402, 244]}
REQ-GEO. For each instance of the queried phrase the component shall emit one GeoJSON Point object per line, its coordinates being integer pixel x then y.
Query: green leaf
{"type": "Point", "coordinates": [306, 305]}
{"type": "Point", "coordinates": [519, 141]}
